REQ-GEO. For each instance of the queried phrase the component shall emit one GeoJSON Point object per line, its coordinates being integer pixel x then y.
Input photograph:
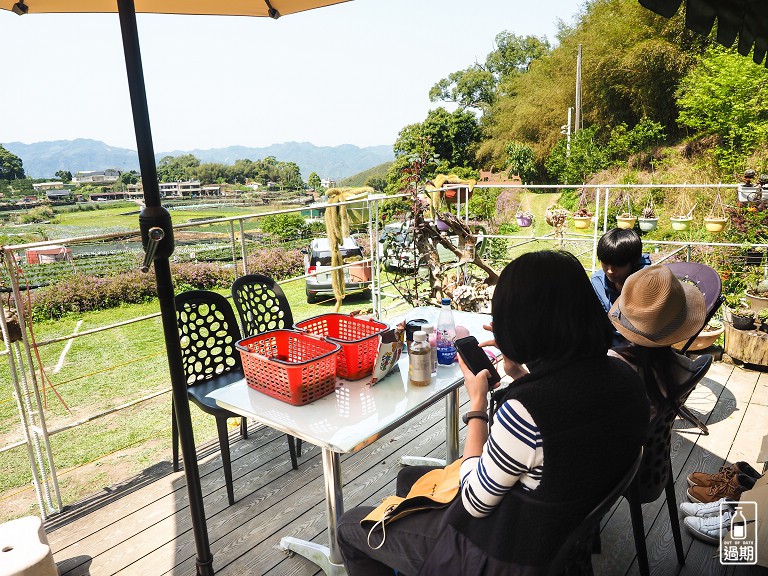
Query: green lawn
{"type": "Point", "coordinates": [107, 369]}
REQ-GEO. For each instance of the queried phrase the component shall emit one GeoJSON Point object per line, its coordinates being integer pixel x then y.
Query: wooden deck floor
{"type": "Point", "coordinates": [144, 528]}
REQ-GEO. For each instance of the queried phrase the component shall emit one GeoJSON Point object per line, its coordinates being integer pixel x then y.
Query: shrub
{"type": "Point", "coordinates": [84, 293]}
{"type": "Point", "coordinates": [286, 226]}
{"type": "Point", "coordinates": [39, 214]}
{"type": "Point", "coordinates": [277, 263]}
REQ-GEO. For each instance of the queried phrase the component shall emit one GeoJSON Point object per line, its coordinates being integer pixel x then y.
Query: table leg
{"type": "Point", "coordinates": [452, 427]}
{"type": "Point", "coordinates": [327, 558]}
{"type": "Point", "coordinates": [451, 437]}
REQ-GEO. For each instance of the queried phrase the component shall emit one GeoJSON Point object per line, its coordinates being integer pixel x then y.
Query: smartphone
{"type": "Point", "coordinates": [476, 359]}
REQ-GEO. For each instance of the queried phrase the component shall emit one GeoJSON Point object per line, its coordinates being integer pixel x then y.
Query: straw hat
{"type": "Point", "coordinates": [655, 309]}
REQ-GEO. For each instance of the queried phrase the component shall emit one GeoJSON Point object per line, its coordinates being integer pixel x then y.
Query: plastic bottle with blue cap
{"type": "Point", "coordinates": [446, 334]}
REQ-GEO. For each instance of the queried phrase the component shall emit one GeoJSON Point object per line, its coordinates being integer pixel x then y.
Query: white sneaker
{"type": "Point", "coordinates": [711, 529]}
{"type": "Point", "coordinates": [704, 510]}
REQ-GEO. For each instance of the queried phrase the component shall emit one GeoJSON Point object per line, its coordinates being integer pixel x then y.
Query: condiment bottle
{"type": "Point", "coordinates": [420, 360]}
{"type": "Point", "coordinates": [430, 330]}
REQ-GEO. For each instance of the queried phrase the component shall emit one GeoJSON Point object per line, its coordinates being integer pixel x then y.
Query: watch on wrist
{"type": "Point", "coordinates": [475, 414]}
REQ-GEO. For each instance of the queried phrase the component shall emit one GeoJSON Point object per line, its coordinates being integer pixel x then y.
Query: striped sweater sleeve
{"type": "Point", "coordinates": [512, 453]}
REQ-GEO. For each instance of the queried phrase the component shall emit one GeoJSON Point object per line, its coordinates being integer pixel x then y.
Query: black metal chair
{"type": "Point", "coordinates": [708, 281]}
{"type": "Point", "coordinates": [262, 305]}
{"type": "Point", "coordinates": [577, 549]}
{"type": "Point", "coordinates": [655, 473]}
{"type": "Point", "coordinates": [208, 332]}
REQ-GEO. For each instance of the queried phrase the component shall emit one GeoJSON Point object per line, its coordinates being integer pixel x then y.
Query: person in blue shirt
{"type": "Point", "coordinates": [620, 252]}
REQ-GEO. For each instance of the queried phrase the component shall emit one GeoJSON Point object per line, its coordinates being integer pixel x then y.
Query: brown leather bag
{"type": "Point", "coordinates": [435, 489]}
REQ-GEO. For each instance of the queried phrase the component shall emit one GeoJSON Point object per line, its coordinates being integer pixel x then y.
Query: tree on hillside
{"type": "Point", "coordinates": [314, 182]}
{"type": "Point", "coordinates": [177, 169]}
{"type": "Point", "coordinates": [212, 173]}
{"type": "Point", "coordinates": [127, 177]}
{"type": "Point", "coordinates": [64, 175]}
{"type": "Point", "coordinates": [521, 160]}
{"type": "Point", "coordinates": [632, 61]}
{"type": "Point", "coordinates": [11, 166]}
{"type": "Point", "coordinates": [476, 86]}
{"type": "Point", "coordinates": [378, 184]}
{"type": "Point", "coordinates": [726, 96]}
{"type": "Point", "coordinates": [442, 142]}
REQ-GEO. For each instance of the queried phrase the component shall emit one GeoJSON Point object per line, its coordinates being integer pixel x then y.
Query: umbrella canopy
{"type": "Point", "coordinates": [273, 8]}
{"type": "Point", "coordinates": [745, 19]}
{"type": "Point", "coordinates": [155, 220]}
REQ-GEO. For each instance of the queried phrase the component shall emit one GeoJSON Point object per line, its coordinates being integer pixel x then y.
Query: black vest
{"type": "Point", "coordinates": [592, 415]}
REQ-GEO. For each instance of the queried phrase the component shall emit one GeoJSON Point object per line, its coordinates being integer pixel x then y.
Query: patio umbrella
{"type": "Point", "coordinates": [747, 19]}
{"type": "Point", "coordinates": [154, 220]}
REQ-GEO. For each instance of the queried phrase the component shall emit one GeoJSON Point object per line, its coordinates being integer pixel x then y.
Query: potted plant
{"type": "Point", "coordinates": [648, 219]}
{"type": "Point", "coordinates": [716, 219]}
{"type": "Point", "coordinates": [358, 271]}
{"type": "Point", "coordinates": [524, 218]}
{"type": "Point", "coordinates": [626, 219]}
{"type": "Point", "coordinates": [681, 219]}
{"type": "Point", "coordinates": [757, 294]}
{"type": "Point", "coordinates": [708, 335]}
{"type": "Point", "coordinates": [743, 318]}
{"type": "Point", "coordinates": [555, 216]}
{"type": "Point", "coordinates": [582, 218]}
{"type": "Point", "coordinates": [762, 316]}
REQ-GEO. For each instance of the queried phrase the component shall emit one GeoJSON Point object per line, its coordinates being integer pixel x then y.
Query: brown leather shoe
{"type": "Point", "coordinates": [732, 489]}
{"type": "Point", "coordinates": [723, 475]}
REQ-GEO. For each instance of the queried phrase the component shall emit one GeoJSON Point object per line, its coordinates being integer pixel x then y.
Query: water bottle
{"type": "Point", "coordinates": [446, 334]}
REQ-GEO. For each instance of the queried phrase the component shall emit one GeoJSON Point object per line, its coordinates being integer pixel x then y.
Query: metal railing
{"type": "Point", "coordinates": [22, 369]}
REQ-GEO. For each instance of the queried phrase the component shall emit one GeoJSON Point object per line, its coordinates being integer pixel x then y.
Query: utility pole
{"type": "Point", "coordinates": [566, 129]}
{"type": "Point", "coordinates": [577, 124]}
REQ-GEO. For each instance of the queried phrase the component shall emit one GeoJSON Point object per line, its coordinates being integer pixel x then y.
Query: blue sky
{"type": "Point", "coordinates": [354, 73]}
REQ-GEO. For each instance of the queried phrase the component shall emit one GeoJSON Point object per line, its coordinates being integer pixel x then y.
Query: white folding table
{"type": "Point", "coordinates": [355, 416]}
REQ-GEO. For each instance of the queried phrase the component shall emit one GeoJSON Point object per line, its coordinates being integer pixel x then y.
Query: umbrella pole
{"type": "Point", "coordinates": [155, 216]}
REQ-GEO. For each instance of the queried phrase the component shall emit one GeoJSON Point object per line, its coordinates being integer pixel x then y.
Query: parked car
{"type": "Point", "coordinates": [317, 260]}
{"type": "Point", "coordinates": [396, 247]}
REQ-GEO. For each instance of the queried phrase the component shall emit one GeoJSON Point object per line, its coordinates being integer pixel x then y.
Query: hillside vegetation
{"type": "Point", "coordinates": [660, 103]}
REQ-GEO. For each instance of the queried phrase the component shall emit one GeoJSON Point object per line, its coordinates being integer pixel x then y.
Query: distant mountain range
{"type": "Point", "coordinates": [44, 159]}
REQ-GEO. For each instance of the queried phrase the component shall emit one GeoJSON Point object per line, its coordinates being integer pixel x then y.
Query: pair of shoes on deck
{"type": "Point", "coordinates": [708, 522]}
{"type": "Point", "coordinates": [723, 475]}
{"type": "Point", "coordinates": [731, 489]}
{"type": "Point", "coordinates": [728, 482]}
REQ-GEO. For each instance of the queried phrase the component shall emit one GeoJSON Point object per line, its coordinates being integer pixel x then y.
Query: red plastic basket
{"type": "Point", "coordinates": [357, 337]}
{"type": "Point", "coordinates": [289, 365]}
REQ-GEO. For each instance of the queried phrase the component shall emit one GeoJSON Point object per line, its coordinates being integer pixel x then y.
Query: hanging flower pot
{"type": "Point", "coordinates": [582, 218]}
{"type": "Point", "coordinates": [524, 219]}
{"type": "Point", "coordinates": [647, 224]}
{"type": "Point", "coordinates": [681, 223]}
{"type": "Point", "coordinates": [626, 221]}
{"type": "Point", "coordinates": [556, 217]}
{"type": "Point", "coordinates": [460, 194]}
{"type": "Point", "coordinates": [648, 220]}
{"type": "Point", "coordinates": [716, 220]}
{"type": "Point", "coordinates": [715, 225]}
{"type": "Point", "coordinates": [581, 222]}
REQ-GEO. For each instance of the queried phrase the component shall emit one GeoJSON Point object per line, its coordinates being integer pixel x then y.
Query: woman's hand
{"type": "Point", "coordinates": [477, 387]}
{"type": "Point", "coordinates": [492, 341]}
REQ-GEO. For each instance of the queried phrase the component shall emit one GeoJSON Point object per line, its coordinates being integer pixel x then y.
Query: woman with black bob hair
{"type": "Point", "coordinates": [565, 431]}
{"type": "Point", "coordinates": [547, 314]}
